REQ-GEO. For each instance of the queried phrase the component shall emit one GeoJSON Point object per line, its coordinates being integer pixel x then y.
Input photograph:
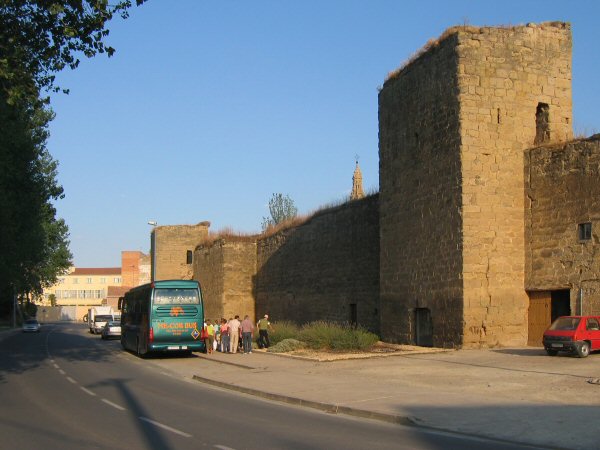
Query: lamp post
{"type": "Point", "coordinates": [154, 224]}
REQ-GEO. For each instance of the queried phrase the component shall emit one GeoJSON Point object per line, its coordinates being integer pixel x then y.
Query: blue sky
{"type": "Point", "coordinates": [209, 107]}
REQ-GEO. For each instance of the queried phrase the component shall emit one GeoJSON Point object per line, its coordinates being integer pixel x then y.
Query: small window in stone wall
{"type": "Point", "coordinates": [584, 231]}
{"type": "Point", "coordinates": [542, 124]}
{"type": "Point", "coordinates": [189, 257]}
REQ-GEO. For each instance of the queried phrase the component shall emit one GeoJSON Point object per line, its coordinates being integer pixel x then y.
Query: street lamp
{"type": "Point", "coordinates": [154, 224]}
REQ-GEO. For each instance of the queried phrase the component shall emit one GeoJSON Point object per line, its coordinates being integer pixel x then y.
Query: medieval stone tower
{"type": "Point", "coordinates": [454, 124]}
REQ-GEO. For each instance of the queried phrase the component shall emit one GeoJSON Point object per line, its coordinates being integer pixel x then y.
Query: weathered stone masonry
{"type": "Point", "coordinates": [226, 269]}
{"type": "Point", "coordinates": [485, 215]}
{"type": "Point", "coordinates": [171, 247]}
{"type": "Point", "coordinates": [454, 125]}
{"type": "Point", "coordinates": [326, 268]}
{"type": "Point", "coordinates": [563, 193]}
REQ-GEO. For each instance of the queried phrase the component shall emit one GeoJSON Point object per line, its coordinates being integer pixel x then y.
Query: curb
{"type": "Point", "coordinates": [228, 363]}
{"type": "Point", "coordinates": [325, 407]}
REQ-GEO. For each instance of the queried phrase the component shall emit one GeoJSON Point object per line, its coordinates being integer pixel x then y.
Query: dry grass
{"type": "Point", "coordinates": [559, 144]}
{"type": "Point", "coordinates": [229, 234]}
{"type": "Point", "coordinates": [434, 43]}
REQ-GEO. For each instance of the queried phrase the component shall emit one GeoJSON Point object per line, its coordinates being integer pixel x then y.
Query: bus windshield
{"type": "Point", "coordinates": [176, 296]}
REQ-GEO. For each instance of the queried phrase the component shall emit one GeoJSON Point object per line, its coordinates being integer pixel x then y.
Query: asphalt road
{"type": "Point", "coordinates": [63, 388]}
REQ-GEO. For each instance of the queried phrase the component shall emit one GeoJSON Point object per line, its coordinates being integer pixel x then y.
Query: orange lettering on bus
{"type": "Point", "coordinates": [176, 311]}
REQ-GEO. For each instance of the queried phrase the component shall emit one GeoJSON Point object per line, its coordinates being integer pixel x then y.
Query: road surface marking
{"type": "Point", "coordinates": [114, 405]}
{"type": "Point", "coordinates": [71, 380]}
{"type": "Point", "coordinates": [223, 447]}
{"type": "Point", "coordinates": [56, 366]}
{"type": "Point", "coordinates": [62, 372]}
{"type": "Point", "coordinates": [165, 427]}
{"type": "Point", "coordinates": [87, 391]}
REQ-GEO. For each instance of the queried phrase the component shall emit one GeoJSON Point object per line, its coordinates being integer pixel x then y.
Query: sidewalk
{"type": "Point", "coordinates": [517, 395]}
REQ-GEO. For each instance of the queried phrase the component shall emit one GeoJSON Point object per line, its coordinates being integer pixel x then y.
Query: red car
{"type": "Point", "coordinates": [573, 334]}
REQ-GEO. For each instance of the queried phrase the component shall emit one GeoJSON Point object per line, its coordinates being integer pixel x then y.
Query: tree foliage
{"type": "Point", "coordinates": [281, 208]}
{"type": "Point", "coordinates": [34, 243]}
{"type": "Point", "coordinates": [39, 38]}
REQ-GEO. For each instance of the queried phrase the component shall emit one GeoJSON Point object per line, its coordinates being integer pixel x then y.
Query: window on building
{"type": "Point", "coordinates": [103, 280]}
{"type": "Point", "coordinates": [542, 123]}
{"type": "Point", "coordinates": [75, 281]}
{"type": "Point", "coordinates": [189, 257]}
{"type": "Point", "coordinates": [117, 280]}
{"type": "Point", "coordinates": [89, 280]}
{"type": "Point", "coordinates": [584, 230]}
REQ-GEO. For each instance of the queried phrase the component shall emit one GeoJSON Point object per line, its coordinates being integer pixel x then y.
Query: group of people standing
{"type": "Point", "coordinates": [231, 336]}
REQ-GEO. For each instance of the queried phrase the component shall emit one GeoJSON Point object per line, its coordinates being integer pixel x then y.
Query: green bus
{"type": "Point", "coordinates": [163, 316]}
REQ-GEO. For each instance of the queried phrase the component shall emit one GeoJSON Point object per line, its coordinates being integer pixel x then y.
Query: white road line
{"type": "Point", "coordinates": [114, 405]}
{"type": "Point", "coordinates": [223, 447]}
{"type": "Point", "coordinates": [165, 427]}
{"type": "Point", "coordinates": [71, 380]}
{"type": "Point", "coordinates": [87, 391]}
{"type": "Point", "coordinates": [56, 366]}
{"type": "Point", "coordinates": [62, 372]}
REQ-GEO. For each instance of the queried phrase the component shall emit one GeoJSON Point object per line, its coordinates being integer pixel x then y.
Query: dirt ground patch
{"type": "Point", "coordinates": [381, 349]}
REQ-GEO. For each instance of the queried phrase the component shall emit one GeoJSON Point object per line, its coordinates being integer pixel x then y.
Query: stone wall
{"type": "Point", "coordinates": [454, 124]}
{"type": "Point", "coordinates": [506, 77]}
{"type": "Point", "coordinates": [318, 270]}
{"type": "Point", "coordinates": [563, 192]}
{"type": "Point", "coordinates": [420, 196]}
{"type": "Point", "coordinates": [170, 245]}
{"type": "Point", "coordinates": [225, 269]}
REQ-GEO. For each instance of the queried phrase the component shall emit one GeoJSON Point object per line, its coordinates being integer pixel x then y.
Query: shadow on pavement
{"type": "Point", "coordinates": [534, 351]}
{"type": "Point", "coordinates": [513, 426]}
{"type": "Point", "coordinates": [28, 351]}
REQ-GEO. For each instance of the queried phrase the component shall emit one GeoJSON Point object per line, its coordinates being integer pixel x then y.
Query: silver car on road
{"type": "Point", "coordinates": [31, 326]}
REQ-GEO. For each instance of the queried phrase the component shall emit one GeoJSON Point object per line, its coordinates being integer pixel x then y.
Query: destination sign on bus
{"type": "Point", "coordinates": [176, 296]}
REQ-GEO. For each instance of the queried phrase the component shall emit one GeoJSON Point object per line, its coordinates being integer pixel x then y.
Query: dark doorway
{"type": "Point", "coordinates": [561, 303]}
{"type": "Point", "coordinates": [353, 315]}
{"type": "Point", "coordinates": [544, 308]}
{"type": "Point", "coordinates": [423, 327]}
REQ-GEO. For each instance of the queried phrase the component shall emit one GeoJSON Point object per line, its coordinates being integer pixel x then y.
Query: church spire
{"type": "Point", "coordinates": [357, 188]}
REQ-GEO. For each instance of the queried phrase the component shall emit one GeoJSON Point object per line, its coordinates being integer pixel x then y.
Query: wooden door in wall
{"type": "Point", "coordinates": [540, 316]}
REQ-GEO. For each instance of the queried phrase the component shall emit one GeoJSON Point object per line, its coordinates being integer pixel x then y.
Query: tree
{"type": "Point", "coordinates": [282, 208]}
{"type": "Point", "coordinates": [39, 38]}
{"type": "Point", "coordinates": [34, 243]}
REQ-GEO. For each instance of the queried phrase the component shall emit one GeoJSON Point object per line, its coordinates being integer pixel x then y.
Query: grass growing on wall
{"type": "Point", "coordinates": [321, 336]}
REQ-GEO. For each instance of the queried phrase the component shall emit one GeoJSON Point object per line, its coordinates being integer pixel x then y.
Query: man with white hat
{"type": "Point", "coordinates": [263, 326]}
